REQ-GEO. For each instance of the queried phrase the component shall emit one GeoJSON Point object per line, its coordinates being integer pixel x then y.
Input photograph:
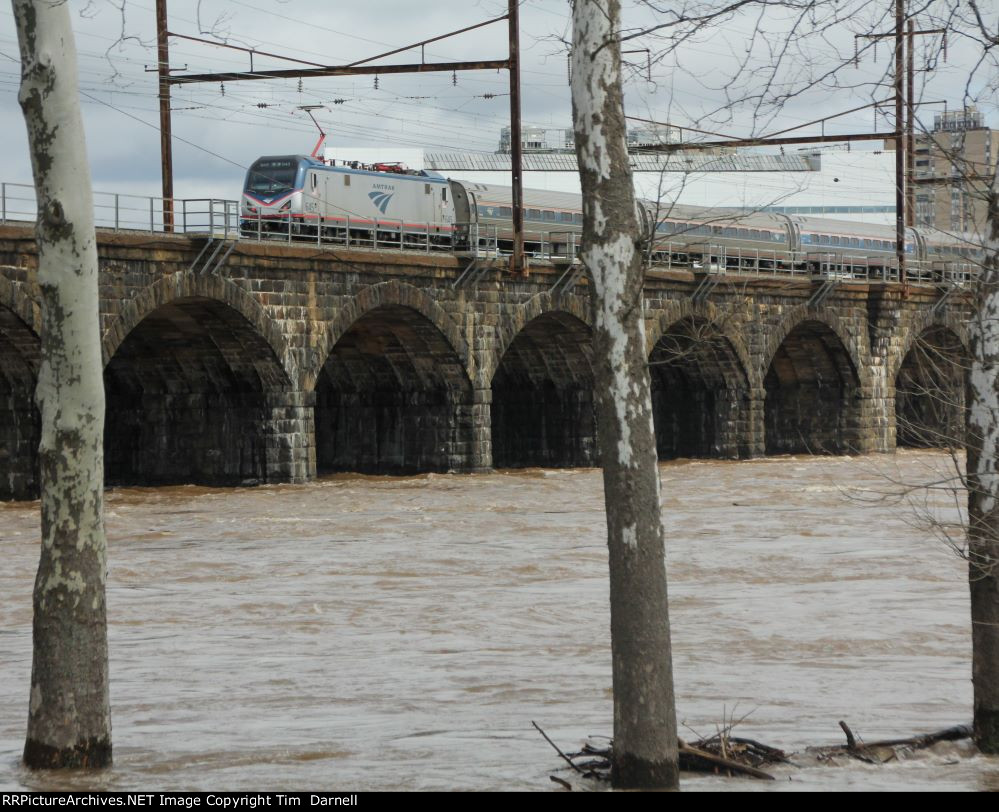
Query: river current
{"type": "Point", "coordinates": [365, 633]}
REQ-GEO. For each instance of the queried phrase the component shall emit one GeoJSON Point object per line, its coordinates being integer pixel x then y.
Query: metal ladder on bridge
{"type": "Point", "coordinates": [212, 259]}
{"type": "Point", "coordinates": [474, 271]}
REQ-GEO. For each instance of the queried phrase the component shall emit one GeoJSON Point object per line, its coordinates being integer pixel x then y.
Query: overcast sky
{"type": "Point", "coordinates": [221, 130]}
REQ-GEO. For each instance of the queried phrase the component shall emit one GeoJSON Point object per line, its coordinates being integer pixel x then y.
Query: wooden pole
{"type": "Point", "coordinates": [516, 148]}
{"type": "Point", "coordinates": [900, 138]}
{"type": "Point", "coordinates": [166, 136]}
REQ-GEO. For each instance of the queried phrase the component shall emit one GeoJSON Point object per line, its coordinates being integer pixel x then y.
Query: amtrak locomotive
{"type": "Point", "coordinates": [388, 205]}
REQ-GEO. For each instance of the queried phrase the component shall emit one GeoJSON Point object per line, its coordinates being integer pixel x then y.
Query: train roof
{"type": "Point", "coordinates": [358, 169]}
{"type": "Point", "coordinates": [533, 198]}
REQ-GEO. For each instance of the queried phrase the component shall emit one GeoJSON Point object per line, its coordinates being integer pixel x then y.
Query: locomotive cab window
{"type": "Point", "coordinates": [346, 180]}
{"type": "Point", "coordinates": [444, 194]}
{"type": "Point", "coordinates": [315, 181]}
{"type": "Point", "coordinates": [426, 188]}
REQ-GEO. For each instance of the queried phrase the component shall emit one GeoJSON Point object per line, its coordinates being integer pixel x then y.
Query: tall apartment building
{"type": "Point", "coordinates": [954, 166]}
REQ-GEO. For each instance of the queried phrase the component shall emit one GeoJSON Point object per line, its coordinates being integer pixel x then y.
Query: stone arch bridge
{"type": "Point", "coordinates": [288, 361]}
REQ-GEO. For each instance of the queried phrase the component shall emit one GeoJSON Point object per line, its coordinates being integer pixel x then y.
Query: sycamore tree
{"type": "Point", "coordinates": [645, 736]}
{"type": "Point", "coordinates": [774, 57]}
{"type": "Point", "coordinates": [69, 718]}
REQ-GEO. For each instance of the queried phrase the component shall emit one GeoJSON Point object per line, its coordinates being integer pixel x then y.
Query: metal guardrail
{"type": "Point", "coordinates": [220, 218]}
{"type": "Point", "coordinates": [124, 212]}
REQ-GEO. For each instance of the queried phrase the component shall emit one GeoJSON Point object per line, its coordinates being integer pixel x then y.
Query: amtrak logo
{"type": "Point", "coordinates": [380, 199]}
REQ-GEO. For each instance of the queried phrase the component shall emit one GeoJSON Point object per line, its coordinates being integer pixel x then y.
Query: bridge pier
{"type": "Point", "coordinates": [290, 437]}
{"type": "Point", "coordinates": [752, 433]}
{"type": "Point", "coordinates": [479, 456]}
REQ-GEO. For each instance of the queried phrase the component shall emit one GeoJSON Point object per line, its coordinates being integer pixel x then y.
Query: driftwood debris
{"type": "Point", "coordinates": [724, 754]}
{"type": "Point", "coordinates": [885, 750]}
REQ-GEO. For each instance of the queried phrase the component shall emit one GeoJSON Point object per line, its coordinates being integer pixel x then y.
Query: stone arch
{"type": "Point", "coordinates": [921, 322]}
{"type": "Point", "coordinates": [392, 392]}
{"type": "Point", "coordinates": [929, 376]}
{"type": "Point", "coordinates": [197, 390]}
{"type": "Point", "coordinates": [701, 387]}
{"type": "Point", "coordinates": [20, 424]}
{"type": "Point", "coordinates": [814, 383]}
{"type": "Point", "coordinates": [517, 318]}
{"type": "Point", "coordinates": [854, 345]}
{"type": "Point", "coordinates": [385, 294]}
{"type": "Point", "coordinates": [180, 286]}
{"type": "Point", "coordinates": [677, 310]}
{"type": "Point", "coordinates": [541, 411]}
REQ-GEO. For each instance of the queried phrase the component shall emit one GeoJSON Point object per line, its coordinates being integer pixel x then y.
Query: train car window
{"type": "Point", "coordinates": [346, 180]}
{"type": "Point", "coordinates": [806, 239]}
{"type": "Point", "coordinates": [754, 234]}
{"type": "Point", "coordinates": [550, 216]}
{"type": "Point", "coordinates": [854, 242]}
{"type": "Point", "coordinates": [533, 214]}
{"type": "Point", "coordinates": [566, 217]}
{"type": "Point", "coordinates": [716, 229]}
{"type": "Point", "coordinates": [506, 211]}
{"type": "Point", "coordinates": [824, 239]}
{"type": "Point", "coordinates": [729, 232]}
{"type": "Point", "coordinates": [577, 218]}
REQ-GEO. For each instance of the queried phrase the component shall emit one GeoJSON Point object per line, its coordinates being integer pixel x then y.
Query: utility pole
{"type": "Point", "coordinates": [904, 135]}
{"type": "Point", "coordinates": [362, 67]}
{"type": "Point", "coordinates": [517, 264]}
{"type": "Point", "coordinates": [899, 138]}
{"type": "Point", "coordinates": [910, 119]}
{"type": "Point", "coordinates": [166, 136]}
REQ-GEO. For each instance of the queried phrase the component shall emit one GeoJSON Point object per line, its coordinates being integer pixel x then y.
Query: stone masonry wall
{"type": "Point", "coordinates": [288, 360]}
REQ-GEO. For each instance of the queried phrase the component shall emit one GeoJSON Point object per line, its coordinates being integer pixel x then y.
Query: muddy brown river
{"type": "Point", "coordinates": [365, 633]}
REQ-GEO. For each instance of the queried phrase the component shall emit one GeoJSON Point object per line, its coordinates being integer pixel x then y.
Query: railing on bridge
{"type": "Point", "coordinates": [124, 212]}
{"type": "Point", "coordinates": [222, 219]}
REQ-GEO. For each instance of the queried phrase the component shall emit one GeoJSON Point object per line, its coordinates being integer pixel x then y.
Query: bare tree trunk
{"type": "Point", "coordinates": [983, 487]}
{"type": "Point", "coordinates": [69, 718]}
{"type": "Point", "coordinates": [645, 736]}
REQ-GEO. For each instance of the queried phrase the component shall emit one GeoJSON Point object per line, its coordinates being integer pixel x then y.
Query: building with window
{"type": "Point", "coordinates": [954, 165]}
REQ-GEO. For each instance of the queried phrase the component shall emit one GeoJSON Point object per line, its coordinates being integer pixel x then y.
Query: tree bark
{"type": "Point", "coordinates": [983, 486]}
{"type": "Point", "coordinates": [69, 718]}
{"type": "Point", "coordinates": [645, 739]}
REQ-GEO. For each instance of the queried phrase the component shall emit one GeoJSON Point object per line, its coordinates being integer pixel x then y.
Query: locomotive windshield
{"type": "Point", "coordinates": [272, 176]}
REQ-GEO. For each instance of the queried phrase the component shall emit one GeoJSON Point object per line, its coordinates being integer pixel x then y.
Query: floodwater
{"type": "Point", "coordinates": [363, 633]}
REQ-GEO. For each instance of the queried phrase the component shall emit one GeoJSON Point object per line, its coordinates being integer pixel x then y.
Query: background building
{"type": "Point", "coordinates": [954, 167]}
